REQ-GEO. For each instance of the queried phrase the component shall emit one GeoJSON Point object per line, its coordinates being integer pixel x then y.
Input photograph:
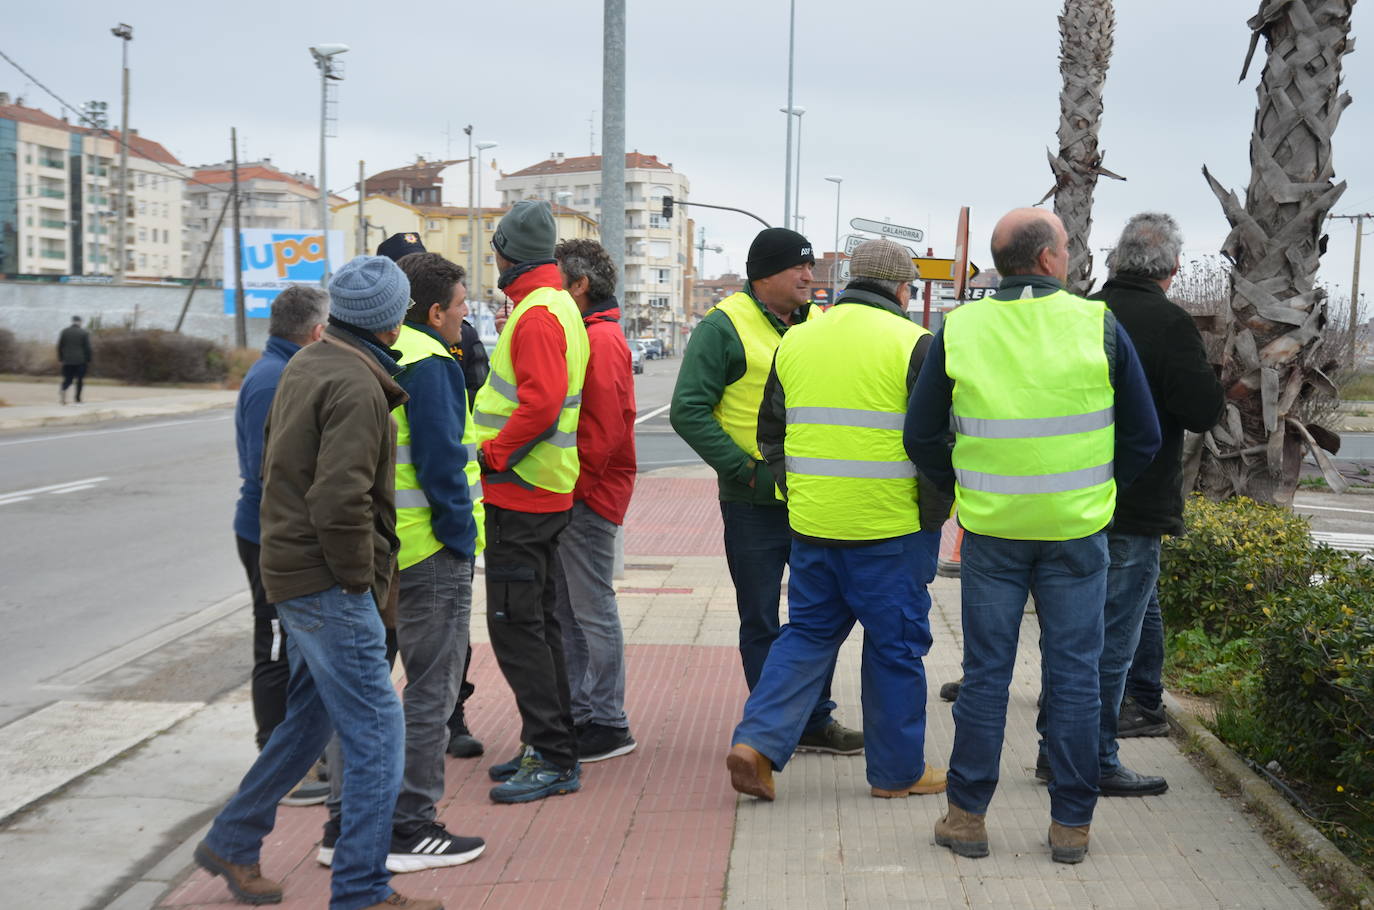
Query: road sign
{"type": "Point", "coordinates": [844, 270]}
{"type": "Point", "coordinates": [895, 231]}
{"type": "Point", "coordinates": [928, 269]}
{"type": "Point", "coordinates": [852, 241]}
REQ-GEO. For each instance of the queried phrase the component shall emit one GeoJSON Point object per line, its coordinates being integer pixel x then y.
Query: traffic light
{"type": "Point", "coordinates": [667, 206]}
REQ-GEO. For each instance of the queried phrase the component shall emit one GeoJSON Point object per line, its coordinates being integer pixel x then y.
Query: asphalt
{"type": "Point", "coordinates": [661, 827]}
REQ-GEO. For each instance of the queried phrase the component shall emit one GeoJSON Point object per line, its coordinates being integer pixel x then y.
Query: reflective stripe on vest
{"type": "Point", "coordinates": [413, 511]}
{"type": "Point", "coordinates": [848, 476]}
{"type": "Point", "coordinates": [1033, 460]}
{"type": "Point", "coordinates": [549, 461]}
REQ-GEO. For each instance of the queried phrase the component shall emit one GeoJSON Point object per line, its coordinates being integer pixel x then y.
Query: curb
{"type": "Point", "coordinates": [1257, 795]}
{"type": "Point", "coordinates": [104, 414]}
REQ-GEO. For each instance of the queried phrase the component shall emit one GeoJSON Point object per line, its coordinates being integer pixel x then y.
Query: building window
{"type": "Point", "coordinates": [656, 220]}
{"type": "Point", "coordinates": [663, 276]}
{"type": "Point", "coordinates": [465, 243]}
{"type": "Point", "coordinates": [141, 175]}
{"type": "Point", "coordinates": [434, 224]}
{"type": "Point", "coordinates": [142, 234]}
{"type": "Point", "coordinates": [658, 302]}
{"type": "Point", "coordinates": [142, 207]}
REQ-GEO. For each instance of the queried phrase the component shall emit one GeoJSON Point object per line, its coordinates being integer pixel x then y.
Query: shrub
{"type": "Point", "coordinates": [9, 352]}
{"type": "Point", "coordinates": [1236, 553]}
{"type": "Point", "coordinates": [27, 358]}
{"type": "Point", "coordinates": [1316, 678]}
{"type": "Point", "coordinates": [156, 356]}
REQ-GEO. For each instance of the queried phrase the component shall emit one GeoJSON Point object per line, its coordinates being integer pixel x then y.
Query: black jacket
{"type": "Point", "coordinates": [1187, 396]}
{"type": "Point", "coordinates": [74, 346]}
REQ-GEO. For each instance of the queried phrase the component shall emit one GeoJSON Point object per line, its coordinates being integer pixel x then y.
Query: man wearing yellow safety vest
{"type": "Point", "coordinates": [715, 410]}
{"type": "Point", "coordinates": [1050, 411]}
{"type": "Point", "coordinates": [526, 417]}
{"type": "Point", "coordinates": [865, 533]}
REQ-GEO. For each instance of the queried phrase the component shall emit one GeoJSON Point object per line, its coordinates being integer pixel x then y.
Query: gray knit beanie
{"type": "Point", "coordinates": [526, 233]}
{"type": "Point", "coordinates": [370, 292]}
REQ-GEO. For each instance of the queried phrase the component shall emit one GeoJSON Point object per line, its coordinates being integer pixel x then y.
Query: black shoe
{"type": "Point", "coordinates": [431, 847]}
{"type": "Point", "coordinates": [950, 690]}
{"type": "Point", "coordinates": [1042, 768]}
{"type": "Point", "coordinates": [1126, 782]}
{"type": "Point", "coordinates": [834, 738]}
{"type": "Point", "coordinates": [597, 742]}
{"type": "Point", "coordinates": [325, 855]}
{"type": "Point", "coordinates": [1137, 720]}
{"type": "Point", "coordinates": [462, 744]}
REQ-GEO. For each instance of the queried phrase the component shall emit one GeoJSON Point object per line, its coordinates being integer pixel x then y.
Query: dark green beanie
{"type": "Point", "coordinates": [526, 233]}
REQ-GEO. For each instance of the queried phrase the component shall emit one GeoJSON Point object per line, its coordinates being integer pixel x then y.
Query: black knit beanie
{"type": "Point", "coordinates": [776, 249]}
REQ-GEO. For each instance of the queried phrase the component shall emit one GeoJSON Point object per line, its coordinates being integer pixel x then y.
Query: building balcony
{"type": "Point", "coordinates": [56, 164]}
{"type": "Point", "coordinates": [53, 254]}
{"type": "Point", "coordinates": [52, 223]}
{"type": "Point", "coordinates": [50, 192]}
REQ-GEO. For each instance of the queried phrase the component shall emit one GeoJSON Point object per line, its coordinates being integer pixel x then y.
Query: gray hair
{"type": "Point", "coordinates": [1149, 247]}
{"type": "Point", "coordinates": [588, 259]}
{"type": "Point", "coordinates": [1021, 253]}
{"type": "Point", "coordinates": [296, 311]}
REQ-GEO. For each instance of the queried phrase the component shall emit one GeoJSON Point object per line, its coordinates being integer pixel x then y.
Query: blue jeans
{"type": "Point", "coordinates": [883, 586]}
{"type": "Point", "coordinates": [593, 639]}
{"type": "Point", "coordinates": [1069, 581]}
{"type": "Point", "coordinates": [1132, 572]}
{"type": "Point", "coordinates": [758, 542]}
{"type": "Point", "coordinates": [1145, 681]}
{"type": "Point", "coordinates": [339, 680]}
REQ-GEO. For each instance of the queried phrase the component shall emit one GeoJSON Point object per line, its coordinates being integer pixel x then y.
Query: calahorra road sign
{"type": "Point", "coordinates": [895, 231]}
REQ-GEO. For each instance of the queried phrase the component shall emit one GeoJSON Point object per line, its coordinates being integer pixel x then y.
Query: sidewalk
{"type": "Point", "coordinates": [661, 828]}
{"type": "Point", "coordinates": [30, 405]}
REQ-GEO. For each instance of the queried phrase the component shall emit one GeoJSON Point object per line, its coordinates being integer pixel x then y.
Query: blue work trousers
{"type": "Point", "coordinates": [882, 585]}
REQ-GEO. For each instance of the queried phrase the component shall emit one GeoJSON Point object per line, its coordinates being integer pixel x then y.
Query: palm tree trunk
{"type": "Point", "coordinates": [1276, 314]}
{"type": "Point", "coordinates": [1085, 50]}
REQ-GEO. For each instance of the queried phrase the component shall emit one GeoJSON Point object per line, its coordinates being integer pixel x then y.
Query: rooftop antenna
{"type": "Point", "coordinates": [591, 133]}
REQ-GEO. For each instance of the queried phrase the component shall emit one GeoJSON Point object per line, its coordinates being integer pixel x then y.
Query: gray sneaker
{"type": "Point", "coordinates": [835, 738]}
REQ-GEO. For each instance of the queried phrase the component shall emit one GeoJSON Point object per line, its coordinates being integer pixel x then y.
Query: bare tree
{"type": "Point", "coordinates": [1085, 50]}
{"type": "Point", "coordinates": [1272, 359]}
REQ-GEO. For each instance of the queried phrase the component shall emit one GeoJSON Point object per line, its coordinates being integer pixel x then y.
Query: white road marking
{"type": "Point", "coordinates": [652, 414]}
{"type": "Point", "coordinates": [84, 433]}
{"type": "Point", "coordinates": [68, 487]}
{"type": "Point", "coordinates": [1307, 505]}
{"type": "Point", "coordinates": [88, 486]}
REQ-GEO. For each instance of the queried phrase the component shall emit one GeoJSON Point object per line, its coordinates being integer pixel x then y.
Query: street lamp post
{"type": "Point", "coordinates": [324, 55]}
{"type": "Point", "coordinates": [125, 33]}
{"type": "Point", "coordinates": [835, 261]}
{"type": "Point", "coordinates": [481, 222]}
{"type": "Point", "coordinates": [794, 111]}
{"type": "Point", "coordinates": [787, 170]}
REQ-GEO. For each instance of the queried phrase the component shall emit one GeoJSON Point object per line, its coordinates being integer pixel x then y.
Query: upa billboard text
{"type": "Point", "coordinates": [275, 260]}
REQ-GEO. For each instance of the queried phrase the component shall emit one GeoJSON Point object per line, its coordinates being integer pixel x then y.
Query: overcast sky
{"type": "Point", "coordinates": [921, 107]}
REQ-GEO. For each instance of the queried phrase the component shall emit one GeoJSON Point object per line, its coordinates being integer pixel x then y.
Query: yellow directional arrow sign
{"type": "Point", "coordinates": [928, 269]}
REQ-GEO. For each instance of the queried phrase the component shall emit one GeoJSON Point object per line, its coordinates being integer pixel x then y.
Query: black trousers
{"type": "Point", "coordinates": [271, 672]}
{"type": "Point", "coordinates": [74, 372]}
{"type": "Point", "coordinates": [525, 636]}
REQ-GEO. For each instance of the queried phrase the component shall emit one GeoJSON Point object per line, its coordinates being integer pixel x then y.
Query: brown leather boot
{"type": "Point", "coordinates": [1068, 845]}
{"type": "Point", "coordinates": [750, 772]}
{"type": "Point", "coordinates": [407, 903]}
{"type": "Point", "coordinates": [245, 881]}
{"type": "Point", "coordinates": [963, 832]}
{"type": "Point", "coordinates": [932, 781]}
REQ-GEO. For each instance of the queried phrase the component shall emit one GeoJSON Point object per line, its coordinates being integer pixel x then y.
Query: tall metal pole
{"type": "Point", "coordinates": [1355, 292]}
{"type": "Point", "coordinates": [835, 259]}
{"type": "Point", "coordinates": [240, 314]}
{"type": "Point", "coordinates": [125, 33]}
{"type": "Point", "coordinates": [796, 197]}
{"type": "Point", "coordinates": [362, 221]}
{"type": "Point", "coordinates": [613, 138]}
{"type": "Point", "coordinates": [324, 184]}
{"type": "Point", "coordinates": [472, 216]}
{"type": "Point", "coordinates": [787, 174]}
{"type": "Point", "coordinates": [481, 225]}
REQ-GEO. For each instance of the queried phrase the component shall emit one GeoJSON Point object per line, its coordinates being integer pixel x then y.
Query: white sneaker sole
{"type": "Point", "coordinates": [325, 856]}
{"type": "Point", "coordinates": [400, 863]}
{"type": "Point", "coordinates": [625, 749]}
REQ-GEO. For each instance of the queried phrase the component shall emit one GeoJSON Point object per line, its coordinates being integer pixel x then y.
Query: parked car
{"type": "Point", "coordinates": [636, 357]}
{"type": "Point", "coordinates": [653, 347]}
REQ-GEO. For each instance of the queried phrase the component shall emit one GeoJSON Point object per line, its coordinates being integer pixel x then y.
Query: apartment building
{"type": "Point", "coordinates": [657, 250]}
{"type": "Point", "coordinates": [58, 197]}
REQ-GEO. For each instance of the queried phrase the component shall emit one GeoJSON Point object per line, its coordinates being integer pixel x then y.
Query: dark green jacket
{"type": "Point", "coordinates": [715, 358]}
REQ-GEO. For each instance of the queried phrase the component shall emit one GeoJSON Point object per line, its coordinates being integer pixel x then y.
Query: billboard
{"type": "Point", "coordinates": [275, 260]}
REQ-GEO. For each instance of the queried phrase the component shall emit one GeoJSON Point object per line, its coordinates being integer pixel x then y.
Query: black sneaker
{"type": "Point", "coordinates": [1137, 720]}
{"type": "Point", "coordinates": [597, 742]}
{"type": "Point", "coordinates": [325, 855]}
{"type": "Point", "coordinates": [835, 738]}
{"type": "Point", "coordinates": [950, 690]}
{"type": "Point", "coordinates": [462, 744]}
{"type": "Point", "coordinates": [431, 848]}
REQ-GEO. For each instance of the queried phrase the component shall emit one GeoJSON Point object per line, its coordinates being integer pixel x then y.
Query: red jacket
{"type": "Point", "coordinates": [539, 354]}
{"type": "Point", "coordinates": [606, 428]}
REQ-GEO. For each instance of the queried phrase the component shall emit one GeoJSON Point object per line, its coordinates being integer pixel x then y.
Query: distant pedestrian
{"type": "Point", "coordinates": [593, 639]}
{"type": "Point", "coordinates": [74, 353]}
{"type": "Point", "coordinates": [527, 419]}
{"type": "Point", "coordinates": [298, 315]}
{"type": "Point", "coordinates": [715, 410]}
{"type": "Point", "coordinates": [865, 532]}
{"type": "Point", "coordinates": [1050, 411]}
{"type": "Point", "coordinates": [328, 545]}
{"type": "Point", "coordinates": [471, 355]}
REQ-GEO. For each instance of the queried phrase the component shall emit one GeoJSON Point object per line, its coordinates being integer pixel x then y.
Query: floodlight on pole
{"type": "Point", "coordinates": [324, 55]}
{"type": "Point", "coordinates": [481, 223]}
{"type": "Point", "coordinates": [835, 260]}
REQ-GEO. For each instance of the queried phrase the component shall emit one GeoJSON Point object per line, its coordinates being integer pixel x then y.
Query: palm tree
{"type": "Point", "coordinates": [1085, 49]}
{"type": "Point", "coordinates": [1271, 362]}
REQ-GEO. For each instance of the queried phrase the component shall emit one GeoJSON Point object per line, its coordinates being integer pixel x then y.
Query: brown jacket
{"type": "Point", "coordinates": [328, 471]}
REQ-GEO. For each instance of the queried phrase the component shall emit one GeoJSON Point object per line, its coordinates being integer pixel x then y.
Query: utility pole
{"type": "Point", "coordinates": [787, 170]}
{"type": "Point", "coordinates": [362, 222]}
{"type": "Point", "coordinates": [613, 138]}
{"type": "Point", "coordinates": [240, 316]}
{"type": "Point", "coordinates": [125, 33]}
{"type": "Point", "coordinates": [1354, 283]}
{"type": "Point", "coordinates": [472, 217]}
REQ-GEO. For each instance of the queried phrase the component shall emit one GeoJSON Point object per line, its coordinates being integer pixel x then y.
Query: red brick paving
{"type": "Point", "coordinates": [674, 516]}
{"type": "Point", "coordinates": [652, 829]}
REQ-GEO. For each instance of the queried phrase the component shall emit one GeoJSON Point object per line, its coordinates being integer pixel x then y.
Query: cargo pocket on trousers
{"type": "Point", "coordinates": [512, 593]}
